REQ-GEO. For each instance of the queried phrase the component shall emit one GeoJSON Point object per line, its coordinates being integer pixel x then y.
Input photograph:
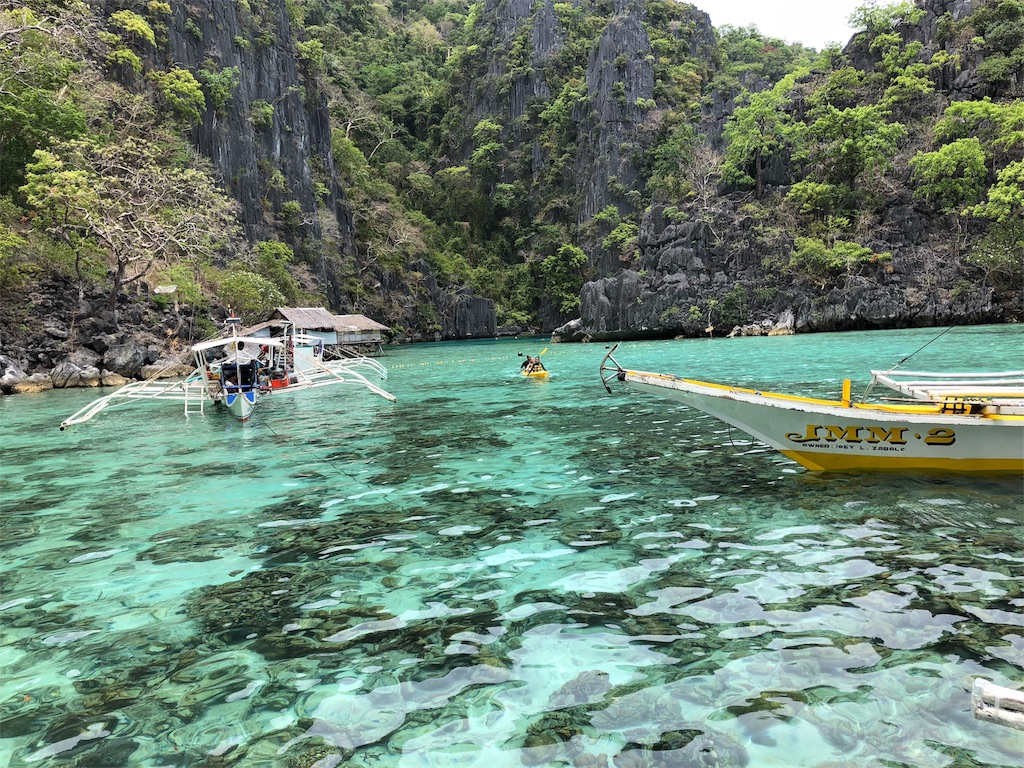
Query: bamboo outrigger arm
{"type": "Point", "coordinates": [998, 704]}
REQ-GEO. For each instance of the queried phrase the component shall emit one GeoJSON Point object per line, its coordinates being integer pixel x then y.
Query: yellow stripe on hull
{"type": "Point", "coordinates": [825, 462]}
{"type": "Point", "coordinates": [830, 435]}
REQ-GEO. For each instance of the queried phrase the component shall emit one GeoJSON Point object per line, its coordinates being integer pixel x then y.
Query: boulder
{"type": "Point", "coordinates": [166, 369]}
{"type": "Point", "coordinates": [37, 382]}
{"type": "Point", "coordinates": [85, 358]}
{"type": "Point", "coordinates": [68, 375]}
{"type": "Point", "coordinates": [111, 379]}
{"type": "Point", "coordinates": [126, 359]}
{"type": "Point", "coordinates": [10, 374]}
{"type": "Point", "coordinates": [785, 325]}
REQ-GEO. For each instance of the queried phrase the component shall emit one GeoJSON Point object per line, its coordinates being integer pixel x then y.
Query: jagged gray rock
{"type": "Point", "coordinates": [127, 359]}
{"type": "Point", "coordinates": [11, 374]}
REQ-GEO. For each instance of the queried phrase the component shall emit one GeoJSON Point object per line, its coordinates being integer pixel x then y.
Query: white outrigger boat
{"type": "Point", "coordinates": [236, 372]}
{"type": "Point", "coordinates": [964, 422]}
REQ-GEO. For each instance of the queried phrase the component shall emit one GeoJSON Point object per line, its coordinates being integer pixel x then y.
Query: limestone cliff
{"type": "Point", "coordinates": [725, 265]}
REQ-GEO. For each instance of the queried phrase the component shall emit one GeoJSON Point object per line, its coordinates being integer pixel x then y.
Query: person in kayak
{"type": "Point", "coordinates": [532, 364]}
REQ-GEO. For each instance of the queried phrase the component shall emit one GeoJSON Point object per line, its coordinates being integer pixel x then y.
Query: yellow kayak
{"type": "Point", "coordinates": [536, 374]}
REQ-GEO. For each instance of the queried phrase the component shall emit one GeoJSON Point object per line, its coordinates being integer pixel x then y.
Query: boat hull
{"type": "Point", "coordinates": [241, 404]}
{"type": "Point", "coordinates": [830, 435]}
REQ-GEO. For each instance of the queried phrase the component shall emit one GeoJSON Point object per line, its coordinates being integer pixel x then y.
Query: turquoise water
{"type": "Point", "coordinates": [498, 571]}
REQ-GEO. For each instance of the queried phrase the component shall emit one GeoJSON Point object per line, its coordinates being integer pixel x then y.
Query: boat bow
{"type": "Point", "coordinates": [950, 434]}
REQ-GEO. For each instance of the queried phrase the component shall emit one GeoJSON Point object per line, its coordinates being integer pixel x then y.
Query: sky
{"type": "Point", "coordinates": [811, 22]}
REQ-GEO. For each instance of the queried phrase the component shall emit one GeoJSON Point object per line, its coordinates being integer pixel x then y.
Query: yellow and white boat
{"type": "Point", "coordinates": [965, 422]}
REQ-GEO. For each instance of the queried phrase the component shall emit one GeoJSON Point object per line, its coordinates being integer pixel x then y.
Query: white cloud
{"type": "Point", "coordinates": [814, 23]}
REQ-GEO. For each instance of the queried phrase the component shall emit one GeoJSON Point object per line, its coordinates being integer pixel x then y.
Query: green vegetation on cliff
{"type": "Point", "coordinates": [514, 155]}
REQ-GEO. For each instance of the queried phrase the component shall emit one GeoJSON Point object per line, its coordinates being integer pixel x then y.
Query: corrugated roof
{"type": "Point", "coordinates": [359, 322]}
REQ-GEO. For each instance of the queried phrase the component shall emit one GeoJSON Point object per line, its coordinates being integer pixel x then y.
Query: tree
{"type": "Point", "coordinates": [755, 133]}
{"type": "Point", "coordinates": [131, 199]}
{"type": "Point", "coordinates": [1005, 202]}
{"type": "Point", "coordinates": [37, 106]}
{"type": "Point", "coordinates": [562, 273]}
{"type": "Point", "coordinates": [250, 295]}
{"type": "Point", "coordinates": [878, 19]}
{"type": "Point", "coordinates": [855, 141]}
{"type": "Point", "coordinates": [953, 176]}
{"type": "Point", "coordinates": [273, 258]}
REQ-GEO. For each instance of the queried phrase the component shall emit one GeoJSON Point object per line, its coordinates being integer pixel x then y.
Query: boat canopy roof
{"type": "Point", "coordinates": [229, 340]}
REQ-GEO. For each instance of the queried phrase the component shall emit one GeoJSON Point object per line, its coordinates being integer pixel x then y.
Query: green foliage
{"type": "Point", "coordinates": [747, 53]}
{"type": "Point", "coordinates": [1000, 127]}
{"type": "Point", "coordinates": [562, 275]}
{"type": "Point", "coordinates": [953, 176]}
{"type": "Point", "coordinates": [670, 160]}
{"type": "Point", "coordinates": [187, 279]}
{"type": "Point", "coordinates": [1001, 27]}
{"type": "Point", "coordinates": [813, 259]}
{"type": "Point", "coordinates": [38, 98]}
{"type": "Point", "coordinates": [855, 141]}
{"type": "Point", "coordinates": [896, 54]}
{"type": "Point", "coordinates": [622, 238]}
{"type": "Point", "coordinates": [292, 215]}
{"type": "Point", "coordinates": [13, 269]}
{"type": "Point", "coordinates": [273, 258]}
{"type": "Point", "coordinates": [907, 92]}
{"type": "Point", "coordinates": [134, 25]}
{"type": "Point", "coordinates": [840, 89]}
{"type": "Point", "coordinates": [427, 178]}
{"type": "Point", "coordinates": [733, 308]}
{"type": "Point", "coordinates": [261, 114]}
{"type": "Point", "coordinates": [251, 296]}
{"type": "Point", "coordinates": [757, 131]}
{"type": "Point", "coordinates": [1005, 202]}
{"type": "Point", "coordinates": [133, 200]}
{"type": "Point", "coordinates": [311, 53]}
{"type": "Point", "coordinates": [1000, 254]}
{"type": "Point", "coordinates": [181, 92]}
{"type": "Point", "coordinates": [348, 159]}
{"type": "Point", "coordinates": [818, 200]}
{"type": "Point", "coordinates": [878, 19]}
{"type": "Point", "coordinates": [122, 57]}
{"type": "Point", "coordinates": [220, 84]}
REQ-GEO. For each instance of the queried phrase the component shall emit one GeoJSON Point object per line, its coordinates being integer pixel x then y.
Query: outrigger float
{"type": "Point", "coordinates": [238, 371]}
{"type": "Point", "coordinates": [954, 422]}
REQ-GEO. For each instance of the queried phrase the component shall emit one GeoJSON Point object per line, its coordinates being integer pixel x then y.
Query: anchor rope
{"type": "Point", "coordinates": [320, 459]}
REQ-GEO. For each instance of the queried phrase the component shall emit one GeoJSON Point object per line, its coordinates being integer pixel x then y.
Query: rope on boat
{"type": "Point", "coordinates": [867, 389]}
{"type": "Point", "coordinates": [936, 338]}
{"type": "Point", "coordinates": [256, 415]}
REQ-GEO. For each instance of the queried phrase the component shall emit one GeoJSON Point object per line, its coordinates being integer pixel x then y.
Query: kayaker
{"type": "Point", "coordinates": [532, 364]}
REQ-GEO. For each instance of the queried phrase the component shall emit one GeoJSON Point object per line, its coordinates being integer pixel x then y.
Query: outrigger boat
{"type": "Point", "coordinates": [963, 422]}
{"type": "Point", "coordinates": [237, 371]}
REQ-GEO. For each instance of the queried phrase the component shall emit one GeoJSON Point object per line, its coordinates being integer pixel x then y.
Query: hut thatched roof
{"type": "Point", "coordinates": [310, 318]}
{"type": "Point", "coordinates": [359, 322]}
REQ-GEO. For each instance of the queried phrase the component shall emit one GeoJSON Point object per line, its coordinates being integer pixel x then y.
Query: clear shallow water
{"type": "Point", "coordinates": [502, 572]}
